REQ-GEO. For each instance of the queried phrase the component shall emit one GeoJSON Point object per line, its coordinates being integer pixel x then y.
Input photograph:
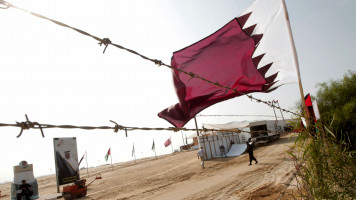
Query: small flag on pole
{"type": "Point", "coordinates": [107, 155]}
{"type": "Point", "coordinates": [133, 150]}
{"type": "Point", "coordinates": [309, 105]}
{"type": "Point", "coordinates": [153, 145]}
{"type": "Point", "coordinates": [168, 142]}
{"type": "Point", "coordinates": [81, 159]}
{"type": "Point", "coordinates": [316, 110]}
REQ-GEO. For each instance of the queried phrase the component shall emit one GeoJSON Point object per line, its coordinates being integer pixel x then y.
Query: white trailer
{"type": "Point", "coordinates": [266, 130]}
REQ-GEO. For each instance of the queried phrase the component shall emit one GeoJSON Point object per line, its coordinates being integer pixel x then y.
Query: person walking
{"type": "Point", "coordinates": [222, 151]}
{"type": "Point", "coordinates": [250, 151]}
{"type": "Point", "coordinates": [201, 155]}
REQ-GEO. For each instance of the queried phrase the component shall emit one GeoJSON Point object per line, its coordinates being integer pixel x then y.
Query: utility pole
{"type": "Point", "coordinates": [196, 126]}
{"type": "Point", "coordinates": [281, 112]}
{"type": "Point", "coordinates": [275, 123]}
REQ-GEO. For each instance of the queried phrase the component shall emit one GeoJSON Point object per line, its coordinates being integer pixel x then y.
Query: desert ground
{"type": "Point", "coordinates": [179, 176]}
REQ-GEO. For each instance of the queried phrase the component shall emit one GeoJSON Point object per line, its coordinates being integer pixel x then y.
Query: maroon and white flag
{"type": "Point", "coordinates": [238, 56]}
{"type": "Point", "coordinates": [168, 142]}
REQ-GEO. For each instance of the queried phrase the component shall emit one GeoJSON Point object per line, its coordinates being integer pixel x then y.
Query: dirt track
{"type": "Point", "coordinates": [179, 176]}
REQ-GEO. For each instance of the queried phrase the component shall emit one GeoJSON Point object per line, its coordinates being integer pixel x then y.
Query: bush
{"type": "Point", "coordinates": [324, 168]}
{"type": "Point", "coordinates": [337, 105]}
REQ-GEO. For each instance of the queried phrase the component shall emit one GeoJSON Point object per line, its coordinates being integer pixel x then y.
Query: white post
{"type": "Point", "coordinates": [86, 159]}
{"type": "Point", "coordinates": [182, 136]}
{"type": "Point", "coordinates": [155, 147]}
{"type": "Point", "coordinates": [171, 143]}
{"type": "Point", "coordinates": [112, 167]}
{"type": "Point", "coordinates": [134, 152]}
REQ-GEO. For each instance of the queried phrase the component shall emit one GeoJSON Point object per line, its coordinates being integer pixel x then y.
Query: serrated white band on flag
{"type": "Point", "coordinates": [271, 22]}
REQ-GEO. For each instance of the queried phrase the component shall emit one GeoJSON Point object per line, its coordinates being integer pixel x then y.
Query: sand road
{"type": "Point", "coordinates": [179, 176]}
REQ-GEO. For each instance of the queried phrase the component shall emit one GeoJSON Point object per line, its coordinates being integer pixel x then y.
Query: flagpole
{"type": "Point", "coordinates": [155, 147]}
{"type": "Point", "coordinates": [171, 143]}
{"type": "Point", "coordinates": [133, 146]}
{"type": "Point", "coordinates": [196, 126]}
{"type": "Point", "coordinates": [295, 57]}
{"type": "Point", "coordinates": [275, 124]}
{"type": "Point", "coordinates": [112, 168]}
{"type": "Point", "coordinates": [182, 136]}
{"type": "Point", "coordinates": [86, 159]}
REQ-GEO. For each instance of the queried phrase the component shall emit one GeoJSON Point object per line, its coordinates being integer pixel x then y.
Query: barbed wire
{"type": "Point", "coordinates": [107, 41]}
{"type": "Point", "coordinates": [26, 125]}
{"type": "Point", "coordinates": [236, 116]}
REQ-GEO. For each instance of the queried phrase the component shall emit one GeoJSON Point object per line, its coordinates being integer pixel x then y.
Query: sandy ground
{"type": "Point", "coordinates": [179, 176]}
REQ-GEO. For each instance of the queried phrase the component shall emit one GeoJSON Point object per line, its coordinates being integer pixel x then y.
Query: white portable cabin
{"type": "Point", "coordinates": [229, 132]}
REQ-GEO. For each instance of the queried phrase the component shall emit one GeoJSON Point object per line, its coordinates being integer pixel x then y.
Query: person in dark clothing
{"type": "Point", "coordinates": [222, 151]}
{"type": "Point", "coordinates": [250, 152]}
{"type": "Point", "coordinates": [25, 190]}
{"type": "Point", "coordinates": [232, 142]}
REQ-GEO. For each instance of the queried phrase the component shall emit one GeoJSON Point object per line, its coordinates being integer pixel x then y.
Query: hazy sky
{"type": "Point", "coordinates": [58, 76]}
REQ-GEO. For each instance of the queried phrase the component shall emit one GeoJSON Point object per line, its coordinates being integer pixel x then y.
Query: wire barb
{"type": "Point", "coordinates": [106, 42]}
{"type": "Point", "coordinates": [175, 129]}
{"type": "Point", "coordinates": [158, 62]}
{"type": "Point", "coordinates": [118, 127]}
{"type": "Point", "coordinates": [27, 125]}
{"type": "Point", "coordinates": [5, 4]}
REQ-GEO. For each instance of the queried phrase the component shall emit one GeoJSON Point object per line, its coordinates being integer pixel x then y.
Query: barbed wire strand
{"type": "Point", "coordinates": [107, 42]}
{"type": "Point", "coordinates": [200, 115]}
{"type": "Point", "coordinates": [35, 125]}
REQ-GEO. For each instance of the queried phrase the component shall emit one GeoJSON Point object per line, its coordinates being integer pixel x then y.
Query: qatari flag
{"type": "Point", "coordinates": [228, 57]}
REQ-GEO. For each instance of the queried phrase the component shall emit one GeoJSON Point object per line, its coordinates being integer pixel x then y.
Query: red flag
{"type": "Point", "coordinates": [224, 57]}
{"type": "Point", "coordinates": [235, 56]}
{"type": "Point", "coordinates": [168, 142]}
{"type": "Point", "coordinates": [309, 105]}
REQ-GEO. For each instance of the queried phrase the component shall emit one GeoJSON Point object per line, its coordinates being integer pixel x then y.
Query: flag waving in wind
{"type": "Point", "coordinates": [107, 155]}
{"type": "Point", "coordinates": [82, 158]}
{"type": "Point", "coordinates": [153, 145]}
{"type": "Point", "coordinates": [251, 53]}
{"type": "Point", "coordinates": [167, 142]}
{"type": "Point", "coordinates": [133, 150]}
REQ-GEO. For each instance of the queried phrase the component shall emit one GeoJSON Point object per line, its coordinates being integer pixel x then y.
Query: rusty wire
{"type": "Point", "coordinates": [35, 125]}
{"type": "Point", "coordinates": [200, 115]}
